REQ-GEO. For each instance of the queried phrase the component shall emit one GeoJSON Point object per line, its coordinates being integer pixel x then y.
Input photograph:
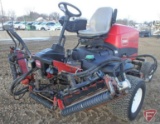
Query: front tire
{"type": "Point", "coordinates": [127, 107]}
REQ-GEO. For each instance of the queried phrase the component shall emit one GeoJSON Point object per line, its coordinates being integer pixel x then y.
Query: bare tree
{"type": "Point", "coordinates": [28, 10]}
{"type": "Point", "coordinates": [11, 14]}
{"type": "Point", "coordinates": [28, 16]}
{"type": "Point", "coordinates": [54, 16]}
{"type": "Point", "coordinates": [122, 21]}
{"type": "Point", "coordinates": [44, 16]}
{"type": "Point", "coordinates": [126, 22]}
{"type": "Point", "coordinates": [34, 16]}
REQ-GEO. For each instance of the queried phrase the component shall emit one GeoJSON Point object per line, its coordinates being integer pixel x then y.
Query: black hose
{"type": "Point", "coordinates": [97, 67]}
{"type": "Point", "coordinates": [150, 56]}
{"type": "Point", "coordinates": [21, 91]}
{"type": "Point", "coordinates": [12, 38]}
{"type": "Point", "coordinates": [12, 34]}
{"type": "Point", "coordinates": [13, 69]}
{"type": "Point", "coordinates": [17, 82]}
{"type": "Point", "coordinates": [121, 65]}
{"type": "Point", "coordinates": [76, 45]}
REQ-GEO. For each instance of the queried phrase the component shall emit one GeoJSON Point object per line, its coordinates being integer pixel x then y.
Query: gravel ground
{"type": "Point", "coordinates": [27, 111]}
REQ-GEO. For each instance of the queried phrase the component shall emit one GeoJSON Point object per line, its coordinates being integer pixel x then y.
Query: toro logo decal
{"type": "Point", "coordinates": [124, 41]}
{"type": "Point", "coordinates": [149, 114]}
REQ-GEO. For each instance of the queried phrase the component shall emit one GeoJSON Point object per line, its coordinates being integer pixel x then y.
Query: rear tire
{"type": "Point", "coordinates": [147, 70]}
{"type": "Point", "coordinates": [127, 107]}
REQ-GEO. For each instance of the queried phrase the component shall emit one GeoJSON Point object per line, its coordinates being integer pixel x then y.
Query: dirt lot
{"type": "Point", "coordinates": [26, 111]}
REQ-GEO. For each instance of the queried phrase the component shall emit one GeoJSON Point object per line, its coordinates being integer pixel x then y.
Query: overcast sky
{"type": "Point", "coordinates": [138, 10]}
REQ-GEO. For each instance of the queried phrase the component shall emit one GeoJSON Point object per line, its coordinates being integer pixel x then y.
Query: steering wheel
{"type": "Point", "coordinates": [64, 7]}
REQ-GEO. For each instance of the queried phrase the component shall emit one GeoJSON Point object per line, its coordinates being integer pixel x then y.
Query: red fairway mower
{"type": "Point", "coordinates": [104, 69]}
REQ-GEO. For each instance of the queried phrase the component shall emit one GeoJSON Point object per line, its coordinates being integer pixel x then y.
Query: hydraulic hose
{"type": "Point", "coordinates": [13, 35]}
{"type": "Point", "coordinates": [154, 59]}
{"type": "Point", "coordinates": [13, 69]}
{"type": "Point", "coordinates": [17, 82]}
{"type": "Point", "coordinates": [97, 67]}
{"type": "Point", "coordinates": [150, 56]}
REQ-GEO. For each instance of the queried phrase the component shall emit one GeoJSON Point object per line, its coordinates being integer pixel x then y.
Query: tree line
{"type": "Point", "coordinates": [29, 16]}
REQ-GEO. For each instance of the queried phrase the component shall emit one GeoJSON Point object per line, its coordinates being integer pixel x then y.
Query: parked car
{"type": "Point", "coordinates": [16, 25]}
{"type": "Point", "coordinates": [36, 23]}
{"type": "Point", "coordinates": [145, 33]}
{"type": "Point", "coordinates": [29, 23]}
{"type": "Point", "coordinates": [22, 26]}
{"type": "Point", "coordinates": [30, 26]}
{"type": "Point", "coordinates": [8, 24]}
{"type": "Point", "coordinates": [56, 26]}
{"type": "Point", "coordinates": [45, 26]}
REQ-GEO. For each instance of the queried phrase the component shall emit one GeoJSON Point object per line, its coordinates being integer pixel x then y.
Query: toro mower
{"type": "Point", "coordinates": [104, 67]}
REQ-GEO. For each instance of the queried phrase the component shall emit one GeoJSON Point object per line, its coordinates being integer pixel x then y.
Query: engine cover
{"type": "Point", "coordinates": [124, 38]}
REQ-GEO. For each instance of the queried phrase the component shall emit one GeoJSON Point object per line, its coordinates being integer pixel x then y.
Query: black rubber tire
{"type": "Point", "coordinates": [18, 28]}
{"type": "Point", "coordinates": [43, 29]}
{"type": "Point", "coordinates": [121, 107]}
{"type": "Point", "coordinates": [146, 70]}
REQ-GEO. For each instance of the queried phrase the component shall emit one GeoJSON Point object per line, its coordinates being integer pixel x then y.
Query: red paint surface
{"type": "Point", "coordinates": [60, 104]}
{"type": "Point", "coordinates": [22, 62]}
{"type": "Point", "coordinates": [118, 34]}
{"type": "Point", "coordinates": [65, 67]}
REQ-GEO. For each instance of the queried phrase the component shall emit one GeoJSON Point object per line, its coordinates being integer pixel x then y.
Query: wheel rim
{"type": "Point", "coordinates": [136, 100]}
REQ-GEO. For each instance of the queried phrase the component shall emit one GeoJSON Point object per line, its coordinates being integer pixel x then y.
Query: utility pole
{"type": "Point", "coordinates": [2, 13]}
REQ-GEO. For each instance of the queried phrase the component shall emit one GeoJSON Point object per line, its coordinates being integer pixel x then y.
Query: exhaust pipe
{"type": "Point", "coordinates": [41, 100]}
{"type": "Point", "coordinates": [88, 103]}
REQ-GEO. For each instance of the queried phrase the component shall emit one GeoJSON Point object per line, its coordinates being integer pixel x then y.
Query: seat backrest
{"type": "Point", "coordinates": [114, 17]}
{"type": "Point", "coordinates": [101, 20]}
